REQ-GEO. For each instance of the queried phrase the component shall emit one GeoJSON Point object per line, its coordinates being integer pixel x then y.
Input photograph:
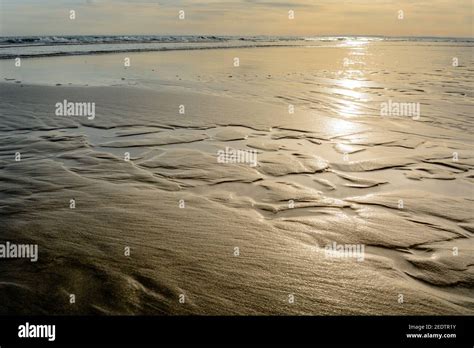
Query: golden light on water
{"type": "Point", "coordinates": [355, 43]}
{"type": "Point", "coordinates": [349, 96]}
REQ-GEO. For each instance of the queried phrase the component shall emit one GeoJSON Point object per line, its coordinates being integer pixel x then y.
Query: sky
{"type": "Point", "coordinates": [238, 17]}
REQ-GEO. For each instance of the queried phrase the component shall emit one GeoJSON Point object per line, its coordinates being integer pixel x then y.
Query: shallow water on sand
{"type": "Point", "coordinates": [332, 171]}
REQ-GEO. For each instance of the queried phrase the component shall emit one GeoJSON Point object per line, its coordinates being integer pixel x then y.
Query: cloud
{"type": "Point", "coordinates": [237, 17]}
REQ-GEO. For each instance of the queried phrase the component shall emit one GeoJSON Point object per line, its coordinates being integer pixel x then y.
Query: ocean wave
{"type": "Point", "coordinates": [121, 48]}
{"type": "Point", "coordinates": [86, 39]}
{"type": "Point", "coordinates": [388, 38]}
{"type": "Point", "coordinates": [100, 39]}
{"type": "Point", "coordinates": [50, 46]}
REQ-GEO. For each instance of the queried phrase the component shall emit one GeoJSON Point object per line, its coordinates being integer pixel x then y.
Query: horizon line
{"type": "Point", "coordinates": [253, 35]}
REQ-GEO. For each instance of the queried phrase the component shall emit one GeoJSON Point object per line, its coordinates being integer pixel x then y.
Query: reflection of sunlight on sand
{"type": "Point", "coordinates": [351, 80]}
{"type": "Point", "coordinates": [351, 84]}
{"type": "Point", "coordinates": [350, 107]}
{"type": "Point", "coordinates": [341, 127]}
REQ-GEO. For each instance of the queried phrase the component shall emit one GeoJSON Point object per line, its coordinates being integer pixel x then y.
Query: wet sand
{"type": "Point", "coordinates": [332, 172]}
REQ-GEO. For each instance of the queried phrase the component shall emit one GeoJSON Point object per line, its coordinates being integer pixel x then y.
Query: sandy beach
{"type": "Point", "coordinates": [133, 212]}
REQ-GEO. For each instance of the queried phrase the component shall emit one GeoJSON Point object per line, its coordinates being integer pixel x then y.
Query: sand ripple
{"type": "Point", "coordinates": [396, 191]}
